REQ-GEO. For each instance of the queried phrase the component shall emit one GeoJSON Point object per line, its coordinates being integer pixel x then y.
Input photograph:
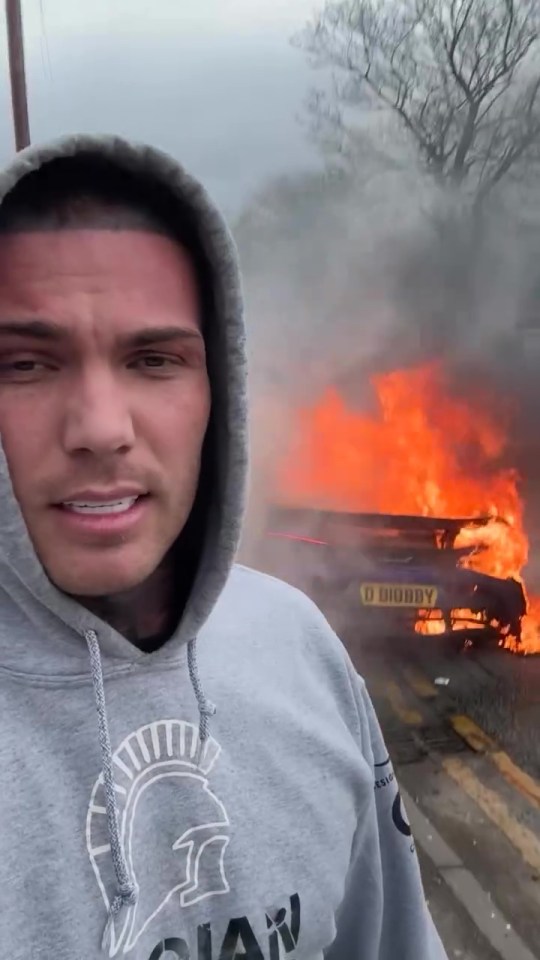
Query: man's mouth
{"type": "Point", "coordinates": [105, 507]}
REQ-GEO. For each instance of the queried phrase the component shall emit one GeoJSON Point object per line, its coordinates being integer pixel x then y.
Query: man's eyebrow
{"type": "Point", "coordinates": [49, 330]}
{"type": "Point", "coordinates": [38, 329]}
{"type": "Point", "coordinates": [150, 335]}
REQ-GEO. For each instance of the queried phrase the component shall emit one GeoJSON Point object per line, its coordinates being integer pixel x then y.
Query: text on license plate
{"type": "Point", "coordinates": [398, 595]}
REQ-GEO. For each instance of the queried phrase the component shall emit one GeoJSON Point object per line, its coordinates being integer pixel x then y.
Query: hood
{"type": "Point", "coordinates": [49, 649]}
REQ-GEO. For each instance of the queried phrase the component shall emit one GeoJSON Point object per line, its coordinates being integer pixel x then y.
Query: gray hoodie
{"type": "Point", "coordinates": [138, 819]}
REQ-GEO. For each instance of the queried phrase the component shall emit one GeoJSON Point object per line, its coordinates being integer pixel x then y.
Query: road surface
{"type": "Point", "coordinates": [467, 756]}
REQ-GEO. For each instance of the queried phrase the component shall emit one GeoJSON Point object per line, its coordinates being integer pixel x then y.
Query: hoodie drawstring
{"type": "Point", "coordinates": [126, 889]}
{"type": "Point", "coordinates": [206, 708]}
{"type": "Point", "coordinates": [127, 892]}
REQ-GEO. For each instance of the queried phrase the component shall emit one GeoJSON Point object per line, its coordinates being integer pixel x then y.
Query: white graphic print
{"type": "Point", "coordinates": [166, 810]}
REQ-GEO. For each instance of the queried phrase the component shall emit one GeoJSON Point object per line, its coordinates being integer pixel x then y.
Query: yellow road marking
{"type": "Point", "coordinates": [411, 717]}
{"type": "Point", "coordinates": [482, 743]}
{"type": "Point", "coordinates": [517, 777]}
{"type": "Point", "coordinates": [524, 840]}
{"type": "Point", "coordinates": [423, 687]}
{"type": "Point", "coordinates": [472, 734]}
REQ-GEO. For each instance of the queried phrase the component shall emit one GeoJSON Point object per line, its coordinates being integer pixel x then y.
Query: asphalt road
{"type": "Point", "coordinates": [467, 755]}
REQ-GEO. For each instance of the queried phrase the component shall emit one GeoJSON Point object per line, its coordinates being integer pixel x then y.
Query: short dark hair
{"type": "Point", "coordinates": [88, 192]}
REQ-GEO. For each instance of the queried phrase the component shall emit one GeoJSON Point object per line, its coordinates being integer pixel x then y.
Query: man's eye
{"type": "Point", "coordinates": [157, 362]}
{"type": "Point", "coordinates": [24, 368]}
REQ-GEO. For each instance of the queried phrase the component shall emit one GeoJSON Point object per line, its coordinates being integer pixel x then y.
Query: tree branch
{"type": "Point", "coordinates": [451, 72]}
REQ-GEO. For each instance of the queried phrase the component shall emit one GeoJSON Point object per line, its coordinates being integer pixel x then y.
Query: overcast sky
{"type": "Point", "coordinates": [215, 82]}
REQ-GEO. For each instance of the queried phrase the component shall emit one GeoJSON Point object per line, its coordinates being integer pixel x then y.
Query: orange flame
{"type": "Point", "coordinates": [421, 451]}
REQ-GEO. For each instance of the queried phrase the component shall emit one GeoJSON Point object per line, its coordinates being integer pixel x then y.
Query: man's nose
{"type": "Point", "coordinates": [98, 418]}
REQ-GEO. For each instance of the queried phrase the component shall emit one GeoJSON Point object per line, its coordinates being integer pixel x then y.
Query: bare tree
{"type": "Point", "coordinates": [462, 77]}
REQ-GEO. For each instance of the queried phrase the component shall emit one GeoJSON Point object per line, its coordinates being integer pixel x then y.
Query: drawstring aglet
{"type": "Point", "coordinates": [127, 896]}
{"type": "Point", "coordinates": [207, 709]}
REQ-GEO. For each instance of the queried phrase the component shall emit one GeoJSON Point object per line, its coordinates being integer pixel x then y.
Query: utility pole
{"type": "Point", "coordinates": [17, 73]}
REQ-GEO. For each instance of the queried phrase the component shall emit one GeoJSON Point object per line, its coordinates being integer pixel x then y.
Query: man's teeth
{"type": "Point", "coordinates": [111, 506]}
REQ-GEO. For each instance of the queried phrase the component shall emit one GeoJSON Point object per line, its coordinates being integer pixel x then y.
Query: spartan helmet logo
{"type": "Point", "coordinates": [173, 828]}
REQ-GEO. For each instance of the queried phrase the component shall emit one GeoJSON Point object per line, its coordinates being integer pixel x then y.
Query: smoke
{"type": "Point", "coordinates": [346, 276]}
{"type": "Point", "coordinates": [319, 252]}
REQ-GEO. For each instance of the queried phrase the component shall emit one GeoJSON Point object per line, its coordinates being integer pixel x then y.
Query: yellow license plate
{"type": "Point", "coordinates": [417, 595]}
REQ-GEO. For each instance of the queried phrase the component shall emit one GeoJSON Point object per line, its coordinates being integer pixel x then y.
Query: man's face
{"type": "Point", "coordinates": [104, 399]}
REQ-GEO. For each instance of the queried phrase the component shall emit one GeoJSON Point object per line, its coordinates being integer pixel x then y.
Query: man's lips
{"type": "Point", "coordinates": [103, 517]}
{"type": "Point", "coordinates": [93, 505]}
{"type": "Point", "coordinates": [104, 508]}
{"type": "Point", "coordinates": [96, 495]}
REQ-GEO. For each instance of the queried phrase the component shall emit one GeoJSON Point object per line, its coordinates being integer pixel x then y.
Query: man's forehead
{"type": "Point", "coordinates": [120, 274]}
{"type": "Point", "coordinates": [91, 245]}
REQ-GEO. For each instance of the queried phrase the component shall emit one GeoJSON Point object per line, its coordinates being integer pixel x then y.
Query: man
{"type": "Point", "coordinates": [136, 818]}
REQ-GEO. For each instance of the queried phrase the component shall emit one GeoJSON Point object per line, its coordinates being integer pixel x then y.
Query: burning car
{"type": "Point", "coordinates": [376, 475]}
{"type": "Point", "coordinates": [398, 573]}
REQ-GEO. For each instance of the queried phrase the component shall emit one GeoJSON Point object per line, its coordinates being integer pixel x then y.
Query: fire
{"type": "Point", "coordinates": [421, 451]}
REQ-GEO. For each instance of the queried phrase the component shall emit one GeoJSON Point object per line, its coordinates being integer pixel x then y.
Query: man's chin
{"type": "Point", "coordinates": [102, 580]}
